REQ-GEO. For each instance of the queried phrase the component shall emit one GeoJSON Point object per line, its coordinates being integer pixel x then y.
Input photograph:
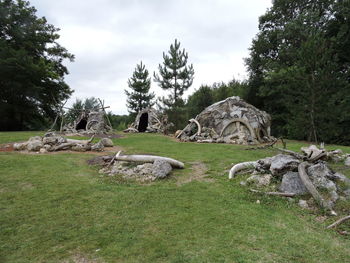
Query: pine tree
{"type": "Point", "coordinates": [140, 84]}
{"type": "Point", "coordinates": [175, 75]}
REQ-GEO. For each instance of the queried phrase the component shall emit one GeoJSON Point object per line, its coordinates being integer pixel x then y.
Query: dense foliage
{"type": "Point", "coordinates": [299, 69]}
{"type": "Point", "coordinates": [31, 69]}
{"type": "Point", "coordinates": [207, 95]}
{"type": "Point", "coordinates": [139, 98]}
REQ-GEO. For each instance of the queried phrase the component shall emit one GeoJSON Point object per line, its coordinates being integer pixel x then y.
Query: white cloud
{"type": "Point", "coordinates": [109, 37]}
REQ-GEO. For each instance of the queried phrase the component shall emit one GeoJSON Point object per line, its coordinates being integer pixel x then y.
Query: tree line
{"type": "Point", "coordinates": [298, 67]}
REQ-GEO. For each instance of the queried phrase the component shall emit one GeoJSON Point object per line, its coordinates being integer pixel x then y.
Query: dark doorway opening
{"type": "Point", "coordinates": [143, 123]}
{"type": "Point", "coordinates": [81, 125]}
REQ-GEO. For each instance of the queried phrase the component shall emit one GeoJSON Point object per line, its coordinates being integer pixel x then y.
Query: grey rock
{"type": "Point", "coordinates": [265, 163]}
{"type": "Point", "coordinates": [303, 204]}
{"type": "Point", "coordinates": [34, 145]}
{"type": "Point", "coordinates": [260, 180]}
{"type": "Point", "coordinates": [347, 193]}
{"type": "Point", "coordinates": [291, 183]}
{"type": "Point", "coordinates": [282, 163]}
{"type": "Point", "coordinates": [50, 140]}
{"type": "Point", "coordinates": [80, 148]}
{"type": "Point", "coordinates": [20, 146]}
{"type": "Point", "coordinates": [98, 147]}
{"type": "Point", "coordinates": [161, 168]}
{"type": "Point", "coordinates": [107, 142]}
{"type": "Point", "coordinates": [334, 196]}
{"type": "Point", "coordinates": [319, 174]}
{"type": "Point", "coordinates": [347, 161]}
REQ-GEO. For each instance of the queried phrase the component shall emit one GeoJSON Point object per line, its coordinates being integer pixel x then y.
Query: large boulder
{"type": "Point", "coordinates": [282, 163]}
{"type": "Point", "coordinates": [320, 175]}
{"type": "Point", "coordinates": [107, 142]}
{"type": "Point", "coordinates": [161, 168]}
{"type": "Point", "coordinates": [35, 144]}
{"type": "Point", "coordinates": [291, 183]}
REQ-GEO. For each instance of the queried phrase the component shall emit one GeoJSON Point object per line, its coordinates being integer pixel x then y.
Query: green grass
{"type": "Point", "coordinates": [53, 207]}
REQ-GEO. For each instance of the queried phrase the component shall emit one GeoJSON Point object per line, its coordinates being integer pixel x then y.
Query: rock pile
{"type": "Point", "coordinates": [51, 142]}
{"type": "Point", "coordinates": [286, 172]}
{"type": "Point", "coordinates": [143, 172]}
{"type": "Point", "coordinates": [141, 168]}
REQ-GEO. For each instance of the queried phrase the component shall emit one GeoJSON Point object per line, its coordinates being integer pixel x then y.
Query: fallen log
{"type": "Point", "coordinates": [241, 166]}
{"type": "Point", "coordinates": [312, 189]}
{"type": "Point", "coordinates": [338, 222]}
{"type": "Point", "coordinates": [274, 193]}
{"type": "Point", "coordinates": [148, 159]}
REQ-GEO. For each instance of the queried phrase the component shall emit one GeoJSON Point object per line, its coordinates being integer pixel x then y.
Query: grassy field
{"type": "Point", "coordinates": [55, 208]}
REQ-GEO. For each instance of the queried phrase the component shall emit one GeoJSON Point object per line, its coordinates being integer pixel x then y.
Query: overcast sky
{"type": "Point", "coordinates": [109, 37]}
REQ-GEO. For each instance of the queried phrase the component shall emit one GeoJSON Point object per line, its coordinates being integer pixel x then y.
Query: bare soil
{"type": "Point", "coordinates": [198, 173]}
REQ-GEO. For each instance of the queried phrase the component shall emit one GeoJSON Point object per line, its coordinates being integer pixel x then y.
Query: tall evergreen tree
{"type": "Point", "coordinates": [140, 97]}
{"type": "Point", "coordinates": [174, 75]}
{"type": "Point", "coordinates": [31, 67]}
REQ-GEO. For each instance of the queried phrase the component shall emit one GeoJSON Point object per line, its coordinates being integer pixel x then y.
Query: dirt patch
{"type": "Point", "coordinates": [100, 160]}
{"type": "Point", "coordinates": [198, 173]}
{"type": "Point", "coordinates": [7, 147]}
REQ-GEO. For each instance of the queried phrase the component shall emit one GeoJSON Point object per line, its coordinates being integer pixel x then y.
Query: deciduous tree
{"type": "Point", "coordinates": [31, 67]}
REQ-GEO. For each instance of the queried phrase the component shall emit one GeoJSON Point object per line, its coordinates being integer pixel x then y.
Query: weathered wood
{"type": "Point", "coordinates": [103, 108]}
{"type": "Point", "coordinates": [274, 193]}
{"type": "Point", "coordinates": [312, 189]}
{"type": "Point", "coordinates": [241, 166]}
{"type": "Point", "coordinates": [81, 141]}
{"type": "Point", "coordinates": [148, 159]}
{"type": "Point", "coordinates": [338, 222]}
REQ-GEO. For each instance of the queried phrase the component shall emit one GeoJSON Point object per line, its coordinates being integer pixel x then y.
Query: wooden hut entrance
{"type": "Point", "coordinates": [81, 125]}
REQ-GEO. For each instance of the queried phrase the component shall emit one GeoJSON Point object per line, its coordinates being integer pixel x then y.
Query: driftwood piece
{"type": "Point", "coordinates": [148, 159]}
{"type": "Point", "coordinates": [312, 189]}
{"type": "Point", "coordinates": [274, 193]}
{"type": "Point", "coordinates": [81, 141]}
{"type": "Point", "coordinates": [338, 222]}
{"type": "Point", "coordinates": [241, 166]}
